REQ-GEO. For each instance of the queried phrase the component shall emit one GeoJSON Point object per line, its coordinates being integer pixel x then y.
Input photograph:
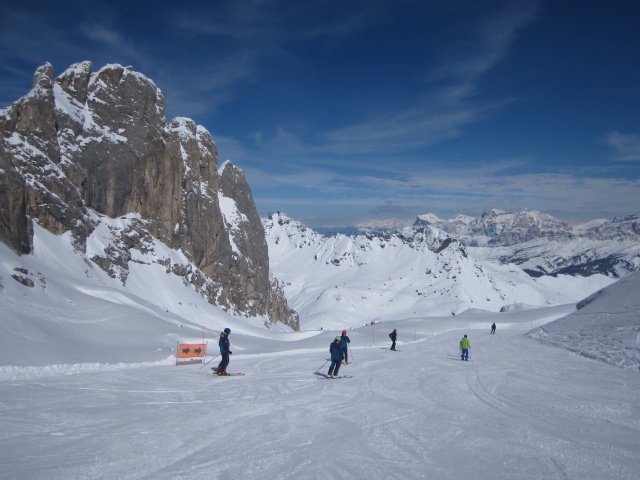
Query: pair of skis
{"type": "Point", "coordinates": [333, 377]}
{"type": "Point", "coordinates": [216, 374]}
{"type": "Point", "coordinates": [323, 375]}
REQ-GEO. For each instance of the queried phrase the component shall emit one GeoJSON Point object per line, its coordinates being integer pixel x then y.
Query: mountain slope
{"type": "Point", "coordinates": [86, 148]}
{"type": "Point", "coordinates": [339, 281]}
{"type": "Point", "coordinates": [605, 326]}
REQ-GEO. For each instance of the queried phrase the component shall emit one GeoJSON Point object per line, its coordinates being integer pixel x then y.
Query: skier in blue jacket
{"type": "Point", "coordinates": [336, 357]}
{"type": "Point", "coordinates": [345, 348]}
{"type": "Point", "coordinates": [224, 345]}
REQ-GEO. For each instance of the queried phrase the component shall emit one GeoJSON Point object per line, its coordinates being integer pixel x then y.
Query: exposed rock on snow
{"type": "Point", "coordinates": [543, 245]}
{"type": "Point", "coordinates": [93, 145]}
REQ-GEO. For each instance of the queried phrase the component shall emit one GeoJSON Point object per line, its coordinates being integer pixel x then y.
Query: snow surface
{"type": "Point", "coordinates": [518, 409]}
{"type": "Point", "coordinates": [88, 386]}
{"type": "Point", "coordinates": [607, 325]}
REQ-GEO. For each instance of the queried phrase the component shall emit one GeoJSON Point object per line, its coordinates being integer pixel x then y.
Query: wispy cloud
{"type": "Point", "coordinates": [443, 111]}
{"type": "Point", "coordinates": [265, 24]}
{"type": "Point", "coordinates": [449, 191]}
{"type": "Point", "coordinates": [626, 147]}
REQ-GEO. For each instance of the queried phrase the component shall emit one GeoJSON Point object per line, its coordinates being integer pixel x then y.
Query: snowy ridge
{"type": "Point", "coordinates": [416, 272]}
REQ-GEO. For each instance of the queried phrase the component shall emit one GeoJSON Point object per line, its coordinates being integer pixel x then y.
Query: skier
{"type": "Point", "coordinates": [224, 352]}
{"type": "Point", "coordinates": [343, 344]}
{"type": "Point", "coordinates": [336, 357]}
{"type": "Point", "coordinates": [493, 327]}
{"type": "Point", "coordinates": [393, 336]}
{"type": "Point", "coordinates": [464, 348]}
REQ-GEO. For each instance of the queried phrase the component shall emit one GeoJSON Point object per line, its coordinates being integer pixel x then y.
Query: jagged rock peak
{"type": "Point", "coordinates": [43, 76]}
{"type": "Point", "coordinates": [92, 144]}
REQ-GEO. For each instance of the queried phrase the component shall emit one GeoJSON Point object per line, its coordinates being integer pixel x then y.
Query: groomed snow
{"type": "Point", "coordinates": [518, 409]}
{"type": "Point", "coordinates": [89, 389]}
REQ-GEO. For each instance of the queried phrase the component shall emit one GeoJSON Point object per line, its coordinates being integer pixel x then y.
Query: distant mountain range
{"type": "Point", "coordinates": [543, 245]}
{"type": "Point", "coordinates": [539, 243]}
{"type": "Point", "coordinates": [414, 271]}
{"type": "Point", "coordinates": [498, 228]}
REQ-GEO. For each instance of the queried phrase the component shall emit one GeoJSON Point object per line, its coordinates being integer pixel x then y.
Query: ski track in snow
{"type": "Point", "coordinates": [519, 409]}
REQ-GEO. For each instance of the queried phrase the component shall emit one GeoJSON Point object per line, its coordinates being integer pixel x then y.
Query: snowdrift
{"type": "Point", "coordinates": [607, 327]}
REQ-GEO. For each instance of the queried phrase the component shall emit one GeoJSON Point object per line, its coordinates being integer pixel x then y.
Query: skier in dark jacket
{"type": "Point", "coordinates": [393, 335]}
{"type": "Point", "coordinates": [224, 352]}
{"type": "Point", "coordinates": [345, 348]}
{"type": "Point", "coordinates": [336, 357]}
{"type": "Point", "coordinates": [493, 327]}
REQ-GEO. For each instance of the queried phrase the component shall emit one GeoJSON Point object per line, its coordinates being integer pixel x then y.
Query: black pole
{"type": "Point", "coordinates": [321, 366]}
{"type": "Point", "coordinates": [211, 360]}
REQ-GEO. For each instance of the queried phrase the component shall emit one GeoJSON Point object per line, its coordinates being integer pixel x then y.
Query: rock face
{"type": "Point", "coordinates": [543, 245]}
{"type": "Point", "coordinates": [495, 227]}
{"type": "Point", "coordinates": [89, 144]}
{"type": "Point", "coordinates": [498, 228]}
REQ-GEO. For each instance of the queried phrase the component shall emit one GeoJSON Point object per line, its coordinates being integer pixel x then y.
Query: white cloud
{"type": "Point", "coordinates": [449, 191]}
{"type": "Point", "coordinates": [625, 146]}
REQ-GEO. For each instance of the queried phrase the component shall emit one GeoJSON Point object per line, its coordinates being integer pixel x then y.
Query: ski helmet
{"type": "Point", "coordinates": [338, 338]}
{"type": "Point", "coordinates": [227, 331]}
{"type": "Point", "coordinates": [344, 332]}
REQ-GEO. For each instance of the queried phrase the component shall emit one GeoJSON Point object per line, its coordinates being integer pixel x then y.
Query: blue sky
{"type": "Point", "coordinates": [344, 111]}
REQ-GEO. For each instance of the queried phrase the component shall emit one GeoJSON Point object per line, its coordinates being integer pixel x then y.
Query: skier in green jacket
{"type": "Point", "coordinates": [464, 348]}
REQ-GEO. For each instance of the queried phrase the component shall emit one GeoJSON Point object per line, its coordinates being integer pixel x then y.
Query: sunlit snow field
{"type": "Point", "coordinates": [89, 388]}
{"type": "Point", "coordinates": [518, 409]}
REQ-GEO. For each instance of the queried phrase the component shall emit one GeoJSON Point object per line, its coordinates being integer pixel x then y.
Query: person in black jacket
{"type": "Point", "coordinates": [393, 336]}
{"type": "Point", "coordinates": [224, 345]}
{"type": "Point", "coordinates": [493, 327]}
{"type": "Point", "coordinates": [336, 357]}
{"type": "Point", "coordinates": [344, 340]}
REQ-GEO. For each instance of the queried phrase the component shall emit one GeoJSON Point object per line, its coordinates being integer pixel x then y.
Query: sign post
{"type": "Point", "coordinates": [191, 353]}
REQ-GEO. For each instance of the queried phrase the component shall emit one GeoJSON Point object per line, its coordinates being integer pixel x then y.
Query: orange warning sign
{"type": "Point", "coordinates": [191, 350]}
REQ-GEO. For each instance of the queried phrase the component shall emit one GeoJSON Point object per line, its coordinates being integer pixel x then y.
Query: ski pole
{"type": "Point", "coordinates": [350, 354]}
{"type": "Point", "coordinates": [211, 360]}
{"type": "Point", "coordinates": [321, 366]}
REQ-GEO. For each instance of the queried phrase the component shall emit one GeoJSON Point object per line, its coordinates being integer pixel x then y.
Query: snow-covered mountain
{"type": "Point", "coordinates": [543, 245]}
{"type": "Point", "coordinates": [90, 154]}
{"type": "Point", "coordinates": [415, 272]}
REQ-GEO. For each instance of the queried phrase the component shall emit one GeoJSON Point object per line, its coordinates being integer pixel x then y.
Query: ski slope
{"type": "Point", "coordinates": [89, 390]}
{"type": "Point", "coordinates": [519, 409]}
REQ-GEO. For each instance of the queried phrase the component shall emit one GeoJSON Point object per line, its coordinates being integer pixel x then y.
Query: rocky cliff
{"type": "Point", "coordinates": [88, 145]}
{"type": "Point", "coordinates": [543, 245]}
